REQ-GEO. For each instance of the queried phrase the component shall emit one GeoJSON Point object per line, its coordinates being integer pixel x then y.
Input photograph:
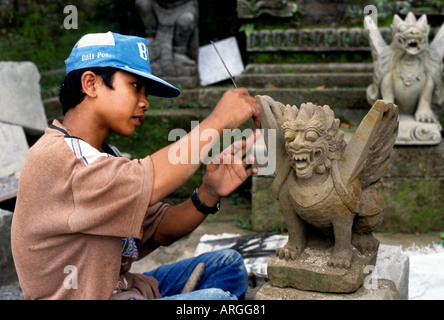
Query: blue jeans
{"type": "Point", "coordinates": [224, 278]}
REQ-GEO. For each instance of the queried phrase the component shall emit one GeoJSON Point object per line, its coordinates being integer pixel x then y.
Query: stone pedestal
{"type": "Point", "coordinates": [385, 290]}
{"type": "Point", "coordinates": [387, 280]}
{"type": "Point", "coordinates": [412, 132]}
{"type": "Point", "coordinates": [311, 271]}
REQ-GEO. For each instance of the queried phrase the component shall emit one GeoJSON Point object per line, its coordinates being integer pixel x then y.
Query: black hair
{"type": "Point", "coordinates": [71, 93]}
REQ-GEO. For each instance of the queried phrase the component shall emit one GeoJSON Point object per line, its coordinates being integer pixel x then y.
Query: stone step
{"type": "Point", "coordinates": [308, 68]}
{"type": "Point", "coordinates": [334, 97]}
{"type": "Point", "coordinates": [305, 80]}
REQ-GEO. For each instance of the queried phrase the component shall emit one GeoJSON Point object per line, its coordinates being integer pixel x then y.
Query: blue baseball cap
{"type": "Point", "coordinates": [127, 53]}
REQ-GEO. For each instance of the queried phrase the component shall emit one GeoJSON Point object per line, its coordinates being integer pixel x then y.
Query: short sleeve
{"type": "Point", "coordinates": [111, 196]}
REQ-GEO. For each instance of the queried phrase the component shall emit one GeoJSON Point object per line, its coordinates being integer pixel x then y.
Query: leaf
{"type": "Point", "coordinates": [247, 28]}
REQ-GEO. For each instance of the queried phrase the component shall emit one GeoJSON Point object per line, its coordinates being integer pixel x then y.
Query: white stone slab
{"type": "Point", "coordinates": [13, 146]}
{"type": "Point", "coordinates": [211, 68]}
{"type": "Point", "coordinates": [426, 280]}
{"type": "Point", "coordinates": [20, 100]}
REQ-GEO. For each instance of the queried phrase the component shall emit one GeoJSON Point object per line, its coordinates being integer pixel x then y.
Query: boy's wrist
{"type": "Point", "coordinates": [205, 200]}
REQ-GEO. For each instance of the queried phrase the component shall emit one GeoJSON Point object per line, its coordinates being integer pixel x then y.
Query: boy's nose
{"type": "Point", "coordinates": [144, 104]}
{"type": "Point", "coordinates": [143, 101]}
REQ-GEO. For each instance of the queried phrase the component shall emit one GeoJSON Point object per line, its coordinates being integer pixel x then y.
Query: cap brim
{"type": "Point", "coordinates": [156, 86]}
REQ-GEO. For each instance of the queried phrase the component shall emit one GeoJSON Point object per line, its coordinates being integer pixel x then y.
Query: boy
{"type": "Point", "coordinates": [83, 213]}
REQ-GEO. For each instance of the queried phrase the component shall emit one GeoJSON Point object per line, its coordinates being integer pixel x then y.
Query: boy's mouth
{"type": "Point", "coordinates": [139, 119]}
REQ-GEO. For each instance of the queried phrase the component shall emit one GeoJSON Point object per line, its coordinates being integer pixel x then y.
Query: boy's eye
{"type": "Point", "coordinates": [138, 85]}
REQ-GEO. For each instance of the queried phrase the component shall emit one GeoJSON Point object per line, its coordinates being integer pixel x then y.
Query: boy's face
{"type": "Point", "coordinates": [122, 109]}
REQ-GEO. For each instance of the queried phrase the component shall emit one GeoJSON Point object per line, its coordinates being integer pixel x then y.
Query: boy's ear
{"type": "Point", "coordinates": [89, 82]}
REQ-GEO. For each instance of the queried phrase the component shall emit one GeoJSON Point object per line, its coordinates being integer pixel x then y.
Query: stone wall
{"type": "Point", "coordinates": [412, 187]}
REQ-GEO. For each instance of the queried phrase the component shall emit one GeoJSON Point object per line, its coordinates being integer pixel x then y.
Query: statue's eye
{"type": "Point", "coordinates": [311, 136]}
{"type": "Point", "coordinates": [289, 135]}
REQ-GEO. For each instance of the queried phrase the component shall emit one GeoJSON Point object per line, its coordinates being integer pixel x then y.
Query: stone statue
{"type": "Point", "coordinates": [408, 72]}
{"type": "Point", "coordinates": [324, 184]}
{"type": "Point", "coordinates": [172, 31]}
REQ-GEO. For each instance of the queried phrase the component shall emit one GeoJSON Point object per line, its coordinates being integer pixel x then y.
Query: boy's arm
{"type": "Point", "coordinates": [234, 108]}
{"type": "Point", "coordinates": [183, 218]}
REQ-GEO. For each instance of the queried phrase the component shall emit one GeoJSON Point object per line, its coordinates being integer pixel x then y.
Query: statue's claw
{"type": "Point", "coordinates": [340, 259]}
{"type": "Point", "coordinates": [365, 242]}
{"type": "Point", "coordinates": [288, 253]}
{"type": "Point", "coordinates": [425, 116]}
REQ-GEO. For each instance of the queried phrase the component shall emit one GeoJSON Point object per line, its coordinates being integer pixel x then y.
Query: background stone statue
{"type": "Point", "coordinates": [408, 72]}
{"type": "Point", "coordinates": [172, 31]}
{"type": "Point", "coordinates": [255, 8]}
{"type": "Point", "coordinates": [324, 184]}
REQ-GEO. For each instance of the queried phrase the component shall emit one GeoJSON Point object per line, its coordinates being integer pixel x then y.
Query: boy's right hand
{"type": "Point", "coordinates": [235, 107]}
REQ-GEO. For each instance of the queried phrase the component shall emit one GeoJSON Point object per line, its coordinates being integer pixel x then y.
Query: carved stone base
{"type": "Point", "coordinates": [412, 132]}
{"type": "Point", "coordinates": [386, 290]}
{"type": "Point", "coordinates": [311, 272]}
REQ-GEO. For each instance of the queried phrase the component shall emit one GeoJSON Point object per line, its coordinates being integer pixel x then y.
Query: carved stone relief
{"type": "Point", "coordinates": [318, 39]}
{"type": "Point", "coordinates": [255, 8]}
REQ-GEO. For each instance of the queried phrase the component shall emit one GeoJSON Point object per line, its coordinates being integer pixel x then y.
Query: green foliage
{"type": "Point", "coordinates": [244, 224]}
{"type": "Point", "coordinates": [33, 30]}
{"type": "Point", "coordinates": [247, 29]}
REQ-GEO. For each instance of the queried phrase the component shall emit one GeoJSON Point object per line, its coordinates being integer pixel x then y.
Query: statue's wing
{"type": "Point", "coordinates": [272, 117]}
{"type": "Point", "coordinates": [435, 65]}
{"type": "Point", "coordinates": [376, 41]}
{"type": "Point", "coordinates": [367, 155]}
{"type": "Point", "coordinates": [437, 45]}
{"type": "Point", "coordinates": [381, 59]}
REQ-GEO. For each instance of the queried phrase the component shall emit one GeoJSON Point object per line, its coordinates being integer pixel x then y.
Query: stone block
{"type": "Point", "coordinates": [417, 161]}
{"type": "Point", "coordinates": [8, 187]}
{"type": "Point", "coordinates": [13, 146]}
{"type": "Point", "coordinates": [392, 264]}
{"type": "Point", "coordinates": [20, 100]}
{"type": "Point", "coordinates": [8, 274]}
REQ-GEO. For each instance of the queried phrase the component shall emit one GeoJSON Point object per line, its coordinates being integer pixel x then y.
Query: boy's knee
{"type": "Point", "coordinates": [216, 294]}
{"type": "Point", "coordinates": [230, 256]}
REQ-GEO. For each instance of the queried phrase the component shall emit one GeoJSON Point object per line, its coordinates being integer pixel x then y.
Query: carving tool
{"type": "Point", "coordinates": [226, 68]}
